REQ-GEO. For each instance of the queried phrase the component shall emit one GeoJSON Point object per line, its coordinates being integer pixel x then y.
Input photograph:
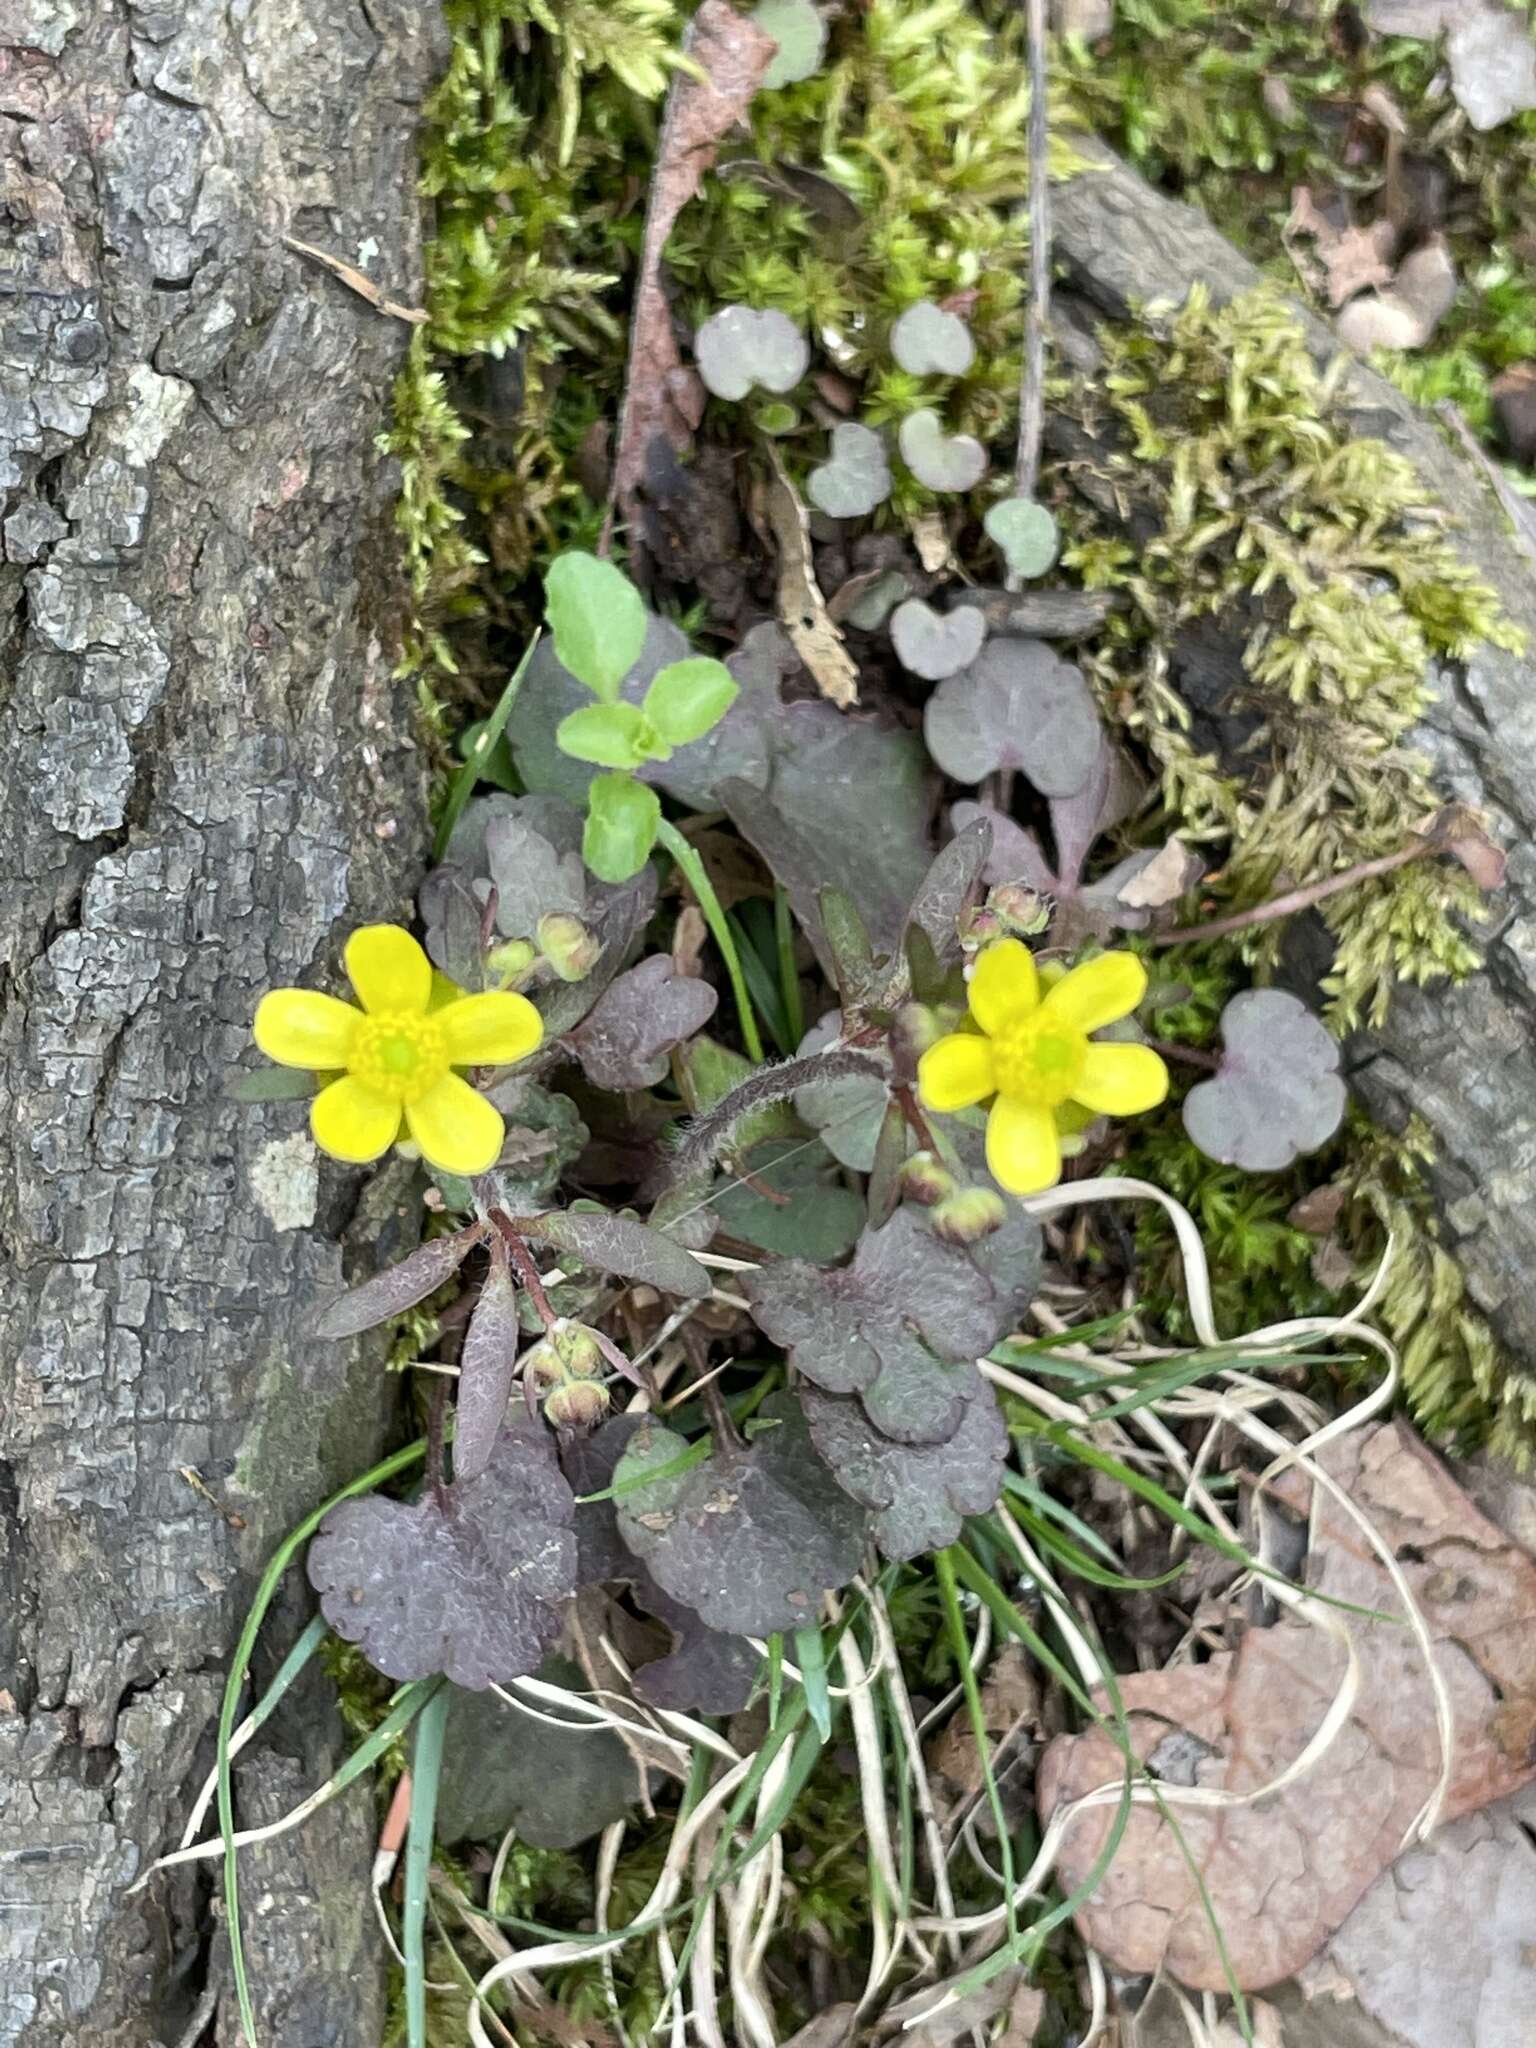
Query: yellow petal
{"type": "Point", "coordinates": [1023, 1150]}
{"type": "Point", "coordinates": [487, 1031]}
{"type": "Point", "coordinates": [389, 970]}
{"type": "Point", "coordinates": [457, 1129]}
{"type": "Point", "coordinates": [1121, 1080]}
{"type": "Point", "coordinates": [298, 1027]}
{"type": "Point", "coordinates": [955, 1072]}
{"type": "Point", "coordinates": [1003, 985]}
{"type": "Point", "coordinates": [352, 1123]}
{"type": "Point", "coordinates": [1099, 992]}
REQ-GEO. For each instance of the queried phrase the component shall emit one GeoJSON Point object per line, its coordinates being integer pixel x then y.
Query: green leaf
{"type": "Point", "coordinates": [483, 750]}
{"type": "Point", "coordinates": [609, 734]}
{"type": "Point", "coordinates": [270, 1084]}
{"type": "Point", "coordinates": [597, 618]}
{"type": "Point", "coordinates": [689, 698]}
{"type": "Point", "coordinates": [811, 1656]}
{"type": "Point", "coordinates": [622, 817]}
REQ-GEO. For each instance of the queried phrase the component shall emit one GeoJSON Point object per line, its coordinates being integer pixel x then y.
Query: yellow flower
{"type": "Point", "coordinates": [1034, 1052]}
{"type": "Point", "coordinates": [396, 1055]}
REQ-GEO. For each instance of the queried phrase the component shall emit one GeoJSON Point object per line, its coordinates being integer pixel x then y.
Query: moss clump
{"type": "Point", "coordinates": [1265, 507]}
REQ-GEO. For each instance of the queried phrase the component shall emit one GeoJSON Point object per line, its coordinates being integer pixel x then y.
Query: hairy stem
{"type": "Point", "coordinates": [704, 889]}
{"type": "Point", "coordinates": [710, 1134]}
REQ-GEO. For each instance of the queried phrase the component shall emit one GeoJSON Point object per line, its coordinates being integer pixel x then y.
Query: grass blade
{"type": "Point", "coordinates": [426, 1768]}
{"type": "Point", "coordinates": [462, 787]}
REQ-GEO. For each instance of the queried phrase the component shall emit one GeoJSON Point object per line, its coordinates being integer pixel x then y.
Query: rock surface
{"type": "Point", "coordinates": [210, 778]}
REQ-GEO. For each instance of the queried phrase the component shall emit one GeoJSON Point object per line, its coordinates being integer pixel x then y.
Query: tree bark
{"type": "Point", "coordinates": [210, 777]}
{"type": "Point", "coordinates": [1462, 1058]}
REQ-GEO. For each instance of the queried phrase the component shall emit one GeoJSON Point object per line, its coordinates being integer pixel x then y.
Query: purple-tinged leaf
{"type": "Point", "coordinates": [627, 1036]}
{"type": "Point", "coordinates": [933, 644]}
{"type": "Point", "coordinates": [751, 1539]}
{"type": "Point", "coordinates": [953, 882]}
{"type": "Point", "coordinates": [472, 1589]}
{"type": "Point", "coordinates": [1018, 705]}
{"type": "Point", "coordinates": [920, 1493]}
{"type": "Point", "coordinates": [900, 1325]}
{"type": "Point", "coordinates": [707, 1672]}
{"type": "Point", "coordinates": [397, 1288]}
{"type": "Point", "coordinates": [486, 1364]}
{"type": "Point", "coordinates": [1015, 855]}
{"type": "Point", "coordinates": [618, 1244]}
{"type": "Point", "coordinates": [1277, 1092]}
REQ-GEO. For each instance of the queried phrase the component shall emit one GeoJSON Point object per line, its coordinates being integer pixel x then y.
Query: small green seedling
{"type": "Point", "coordinates": [742, 349]}
{"type": "Point", "coordinates": [944, 462]}
{"type": "Point", "coordinates": [928, 341]}
{"type": "Point", "coordinates": [598, 621]}
{"type": "Point", "coordinates": [801, 35]}
{"type": "Point", "coordinates": [1024, 534]}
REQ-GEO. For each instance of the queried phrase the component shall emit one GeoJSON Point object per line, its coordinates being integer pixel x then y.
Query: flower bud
{"type": "Point", "coordinates": [579, 1404]}
{"type": "Point", "coordinates": [968, 1215]}
{"type": "Point", "coordinates": [1023, 911]}
{"type": "Point", "coordinates": [510, 961]}
{"type": "Point", "coordinates": [567, 945]}
{"type": "Point", "coordinates": [914, 1028]}
{"type": "Point", "coordinates": [980, 927]}
{"type": "Point", "coordinates": [569, 1351]}
{"type": "Point", "coordinates": [924, 1180]}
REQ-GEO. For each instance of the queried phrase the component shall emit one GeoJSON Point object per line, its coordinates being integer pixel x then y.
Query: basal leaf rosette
{"type": "Point", "coordinates": [1029, 1050]}
{"type": "Point", "coordinates": [395, 1058]}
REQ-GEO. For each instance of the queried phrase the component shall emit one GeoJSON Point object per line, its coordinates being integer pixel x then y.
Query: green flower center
{"type": "Point", "coordinates": [1038, 1061]}
{"type": "Point", "coordinates": [399, 1056]}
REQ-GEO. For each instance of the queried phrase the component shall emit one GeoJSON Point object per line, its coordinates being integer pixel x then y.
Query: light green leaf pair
{"type": "Point", "coordinates": [684, 702]}
{"type": "Point", "coordinates": [622, 820]}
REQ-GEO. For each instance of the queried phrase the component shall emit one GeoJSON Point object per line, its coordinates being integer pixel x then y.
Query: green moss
{"type": "Point", "coordinates": [1266, 508]}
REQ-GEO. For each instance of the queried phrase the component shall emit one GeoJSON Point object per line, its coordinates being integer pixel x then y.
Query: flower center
{"type": "Point", "coordinates": [1038, 1061]}
{"type": "Point", "coordinates": [399, 1056]}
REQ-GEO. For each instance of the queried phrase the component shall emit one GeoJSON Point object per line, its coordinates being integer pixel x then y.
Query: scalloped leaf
{"type": "Point", "coordinates": [619, 1244]}
{"type": "Point", "coordinates": [627, 1037]}
{"type": "Point", "coordinates": [471, 1588]}
{"type": "Point", "coordinates": [952, 883]}
{"type": "Point", "coordinates": [752, 1538]}
{"type": "Point", "coordinates": [1018, 705]}
{"type": "Point", "coordinates": [899, 1325]}
{"type": "Point", "coordinates": [815, 1217]}
{"type": "Point", "coordinates": [846, 1114]}
{"type": "Point", "coordinates": [706, 1672]}
{"type": "Point", "coordinates": [505, 1769]}
{"type": "Point", "coordinates": [1277, 1093]}
{"type": "Point", "coordinates": [920, 1494]}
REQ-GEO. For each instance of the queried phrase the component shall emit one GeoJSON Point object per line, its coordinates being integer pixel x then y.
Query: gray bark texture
{"type": "Point", "coordinates": [209, 778]}
{"type": "Point", "coordinates": [1462, 1058]}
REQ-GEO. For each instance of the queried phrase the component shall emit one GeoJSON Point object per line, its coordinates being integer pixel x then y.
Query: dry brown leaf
{"type": "Point", "coordinates": [731, 56]}
{"type": "Point", "coordinates": [688, 938]}
{"type": "Point", "coordinates": [1171, 871]}
{"type": "Point", "coordinates": [358, 281]}
{"type": "Point", "coordinates": [1284, 1873]}
{"type": "Point", "coordinates": [1460, 832]}
{"type": "Point", "coordinates": [1404, 317]}
{"type": "Point", "coordinates": [1351, 258]}
{"type": "Point", "coordinates": [930, 537]}
{"type": "Point", "coordinates": [802, 608]}
{"type": "Point", "coordinates": [1010, 1700]}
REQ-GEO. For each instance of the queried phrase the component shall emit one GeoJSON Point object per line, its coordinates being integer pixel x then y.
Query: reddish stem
{"type": "Point", "coordinates": [1187, 1053]}
{"type": "Point", "coordinates": [527, 1273]}
{"type": "Point", "coordinates": [1296, 899]}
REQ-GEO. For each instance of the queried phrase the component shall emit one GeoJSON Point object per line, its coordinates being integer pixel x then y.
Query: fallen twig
{"type": "Point", "coordinates": [358, 281]}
